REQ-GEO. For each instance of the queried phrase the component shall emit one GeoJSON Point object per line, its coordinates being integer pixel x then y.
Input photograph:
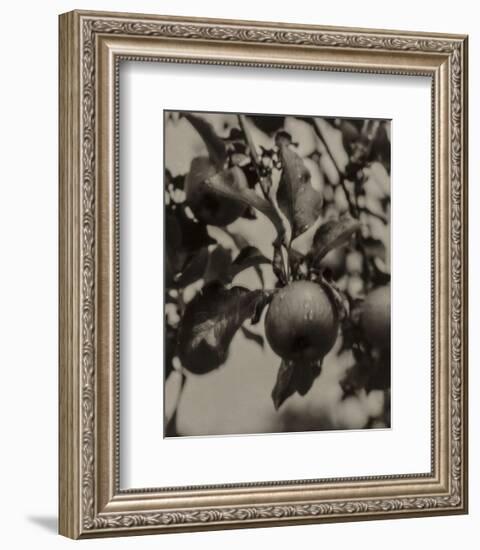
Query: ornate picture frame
{"type": "Point", "coordinates": [92, 45]}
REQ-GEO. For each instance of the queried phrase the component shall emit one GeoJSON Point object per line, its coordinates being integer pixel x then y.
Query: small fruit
{"type": "Point", "coordinates": [209, 207]}
{"type": "Point", "coordinates": [375, 317]}
{"type": "Point", "coordinates": [302, 322]}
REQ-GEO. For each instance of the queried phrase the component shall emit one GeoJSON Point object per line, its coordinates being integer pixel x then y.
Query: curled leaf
{"type": "Point", "coordinates": [294, 377]}
{"type": "Point", "coordinates": [217, 150]}
{"type": "Point", "coordinates": [207, 205]}
{"type": "Point", "coordinates": [260, 305]}
{"type": "Point", "coordinates": [338, 298]}
{"type": "Point", "coordinates": [232, 184]}
{"type": "Point", "coordinates": [210, 322]}
{"type": "Point", "coordinates": [304, 376]}
{"type": "Point", "coordinates": [249, 256]}
{"type": "Point", "coordinates": [253, 336]}
{"type": "Point", "coordinates": [332, 234]}
{"type": "Point", "coordinates": [284, 386]}
{"type": "Point", "coordinates": [297, 199]}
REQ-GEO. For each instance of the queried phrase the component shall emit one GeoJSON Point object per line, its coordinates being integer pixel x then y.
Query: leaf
{"type": "Point", "coordinates": [374, 248]}
{"type": "Point", "coordinates": [260, 305]}
{"type": "Point", "coordinates": [338, 298]}
{"type": "Point", "coordinates": [278, 265]}
{"type": "Point", "coordinates": [355, 379]}
{"type": "Point", "coordinates": [210, 322]}
{"type": "Point", "coordinates": [260, 276]}
{"type": "Point", "coordinates": [171, 409]}
{"type": "Point", "coordinates": [183, 233]}
{"type": "Point", "coordinates": [217, 150]}
{"type": "Point", "coordinates": [332, 234]}
{"type": "Point", "coordinates": [219, 263]}
{"type": "Point", "coordinates": [232, 184]}
{"type": "Point", "coordinates": [297, 199]}
{"type": "Point", "coordinates": [253, 336]}
{"type": "Point", "coordinates": [284, 386]}
{"type": "Point", "coordinates": [183, 239]}
{"type": "Point", "coordinates": [304, 376]}
{"type": "Point", "coordinates": [249, 214]}
{"type": "Point", "coordinates": [193, 269]}
{"type": "Point", "coordinates": [350, 134]}
{"type": "Point", "coordinates": [248, 257]}
{"type": "Point", "coordinates": [169, 349]}
{"type": "Point", "coordinates": [173, 236]}
{"type": "Point", "coordinates": [294, 377]}
{"type": "Point", "coordinates": [268, 124]}
{"type": "Point", "coordinates": [380, 147]}
{"type": "Point", "coordinates": [176, 182]}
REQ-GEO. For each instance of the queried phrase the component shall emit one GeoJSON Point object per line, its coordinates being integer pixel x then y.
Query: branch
{"type": "Point", "coordinates": [380, 217]}
{"type": "Point", "coordinates": [351, 207]}
{"type": "Point", "coordinates": [253, 152]}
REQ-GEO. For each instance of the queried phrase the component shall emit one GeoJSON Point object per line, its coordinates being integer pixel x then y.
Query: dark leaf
{"type": "Point", "coordinates": [194, 268]}
{"type": "Point", "coordinates": [173, 234]}
{"type": "Point", "coordinates": [253, 336]}
{"type": "Point", "coordinates": [259, 272]}
{"type": "Point", "coordinates": [380, 147]}
{"type": "Point", "coordinates": [283, 138]}
{"type": "Point", "coordinates": [354, 380]}
{"type": "Point", "coordinates": [305, 375]}
{"type": "Point", "coordinates": [171, 423]}
{"type": "Point", "coordinates": [284, 386]}
{"type": "Point", "coordinates": [297, 199]}
{"type": "Point", "coordinates": [215, 145]}
{"type": "Point", "coordinates": [261, 303]}
{"type": "Point", "coordinates": [183, 234]}
{"type": "Point", "coordinates": [374, 248]}
{"type": "Point", "coordinates": [350, 134]}
{"type": "Point", "coordinates": [380, 375]}
{"type": "Point", "coordinates": [210, 322]}
{"type": "Point", "coordinates": [379, 380]}
{"type": "Point", "coordinates": [379, 275]}
{"type": "Point", "coordinates": [171, 426]}
{"type": "Point", "coordinates": [219, 263]}
{"type": "Point", "coordinates": [296, 260]}
{"type": "Point", "coordinates": [332, 234]}
{"type": "Point", "coordinates": [251, 174]}
{"type": "Point", "coordinates": [338, 298]}
{"type": "Point", "coordinates": [176, 182]}
{"type": "Point", "coordinates": [249, 256]}
{"type": "Point", "coordinates": [268, 124]}
{"type": "Point", "coordinates": [232, 184]}
{"type": "Point", "coordinates": [278, 265]}
{"type": "Point", "coordinates": [170, 348]}
{"type": "Point", "coordinates": [249, 214]}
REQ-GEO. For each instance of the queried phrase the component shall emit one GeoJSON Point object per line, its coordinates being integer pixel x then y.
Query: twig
{"type": "Point", "coordinates": [254, 153]}
{"type": "Point", "coordinates": [261, 182]}
{"type": "Point", "coordinates": [351, 207]}
{"type": "Point", "coordinates": [366, 210]}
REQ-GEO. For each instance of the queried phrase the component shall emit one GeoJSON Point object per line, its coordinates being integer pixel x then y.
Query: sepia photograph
{"type": "Point", "coordinates": [277, 273]}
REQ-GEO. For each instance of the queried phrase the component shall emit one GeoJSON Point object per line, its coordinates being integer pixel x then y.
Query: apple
{"type": "Point", "coordinates": [302, 322]}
